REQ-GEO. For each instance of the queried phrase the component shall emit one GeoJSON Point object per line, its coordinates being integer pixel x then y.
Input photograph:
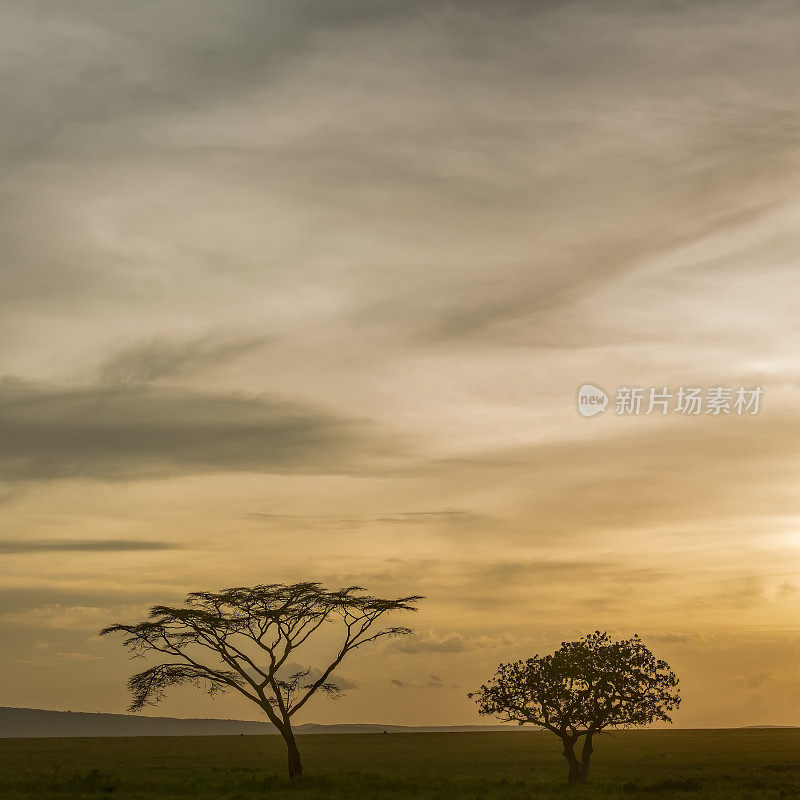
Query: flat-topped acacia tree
{"type": "Point", "coordinates": [582, 689]}
{"type": "Point", "coordinates": [242, 639]}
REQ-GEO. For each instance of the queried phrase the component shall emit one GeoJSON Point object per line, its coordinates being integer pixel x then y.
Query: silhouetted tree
{"type": "Point", "coordinates": [580, 690]}
{"type": "Point", "coordinates": [242, 639]}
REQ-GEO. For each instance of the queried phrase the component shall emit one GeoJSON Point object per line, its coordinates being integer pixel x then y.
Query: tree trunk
{"type": "Point", "coordinates": [295, 765]}
{"type": "Point", "coordinates": [586, 756]}
{"type": "Point", "coordinates": [573, 775]}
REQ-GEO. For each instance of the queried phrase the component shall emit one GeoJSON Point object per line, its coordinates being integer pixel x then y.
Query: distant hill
{"type": "Point", "coordinates": [37, 723]}
{"type": "Point", "coordinates": [762, 727]}
{"type": "Point", "coordinates": [34, 722]}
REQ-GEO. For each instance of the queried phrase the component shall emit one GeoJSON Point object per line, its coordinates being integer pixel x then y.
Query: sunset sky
{"type": "Point", "coordinates": [306, 290]}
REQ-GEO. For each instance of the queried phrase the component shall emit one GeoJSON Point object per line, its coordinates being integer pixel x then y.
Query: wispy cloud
{"type": "Point", "coordinates": [160, 358]}
{"type": "Point", "coordinates": [462, 520]}
{"type": "Point", "coordinates": [453, 642]}
{"type": "Point", "coordinates": [12, 546]}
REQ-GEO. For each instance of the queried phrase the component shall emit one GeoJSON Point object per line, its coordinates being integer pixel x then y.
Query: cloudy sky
{"type": "Point", "coordinates": [306, 290]}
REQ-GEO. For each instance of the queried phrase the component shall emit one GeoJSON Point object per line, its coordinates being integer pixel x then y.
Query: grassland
{"type": "Point", "coordinates": [694, 765]}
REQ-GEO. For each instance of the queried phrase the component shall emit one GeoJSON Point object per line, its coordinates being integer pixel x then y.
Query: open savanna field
{"type": "Point", "coordinates": [721, 764]}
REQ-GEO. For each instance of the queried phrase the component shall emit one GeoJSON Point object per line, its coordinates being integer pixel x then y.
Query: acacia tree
{"type": "Point", "coordinates": [242, 639]}
{"type": "Point", "coordinates": [582, 689]}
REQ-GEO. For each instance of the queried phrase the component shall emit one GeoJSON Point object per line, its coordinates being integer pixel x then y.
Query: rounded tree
{"type": "Point", "coordinates": [582, 689]}
{"type": "Point", "coordinates": [246, 638]}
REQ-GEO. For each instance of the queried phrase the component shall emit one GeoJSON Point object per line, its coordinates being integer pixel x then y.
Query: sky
{"type": "Point", "coordinates": [306, 291]}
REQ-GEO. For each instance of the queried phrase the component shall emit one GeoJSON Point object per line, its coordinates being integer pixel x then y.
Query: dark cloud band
{"type": "Point", "coordinates": [122, 434]}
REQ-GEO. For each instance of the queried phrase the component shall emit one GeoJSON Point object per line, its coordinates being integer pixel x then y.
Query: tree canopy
{"type": "Point", "coordinates": [242, 638]}
{"type": "Point", "coordinates": [583, 688]}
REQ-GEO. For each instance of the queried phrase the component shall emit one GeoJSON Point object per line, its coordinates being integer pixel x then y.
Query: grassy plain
{"type": "Point", "coordinates": [692, 765]}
